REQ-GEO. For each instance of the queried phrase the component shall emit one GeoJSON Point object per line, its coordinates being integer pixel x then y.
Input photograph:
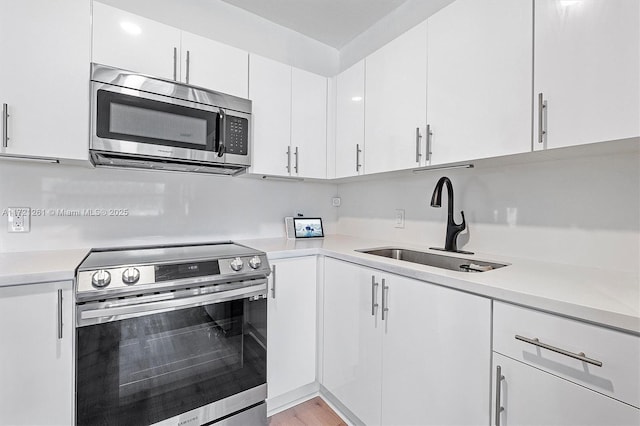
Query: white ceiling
{"type": "Point", "coordinates": [332, 22]}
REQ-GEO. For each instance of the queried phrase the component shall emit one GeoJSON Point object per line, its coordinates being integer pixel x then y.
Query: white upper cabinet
{"type": "Point", "coordinates": [270, 91]}
{"type": "Point", "coordinates": [308, 124]}
{"type": "Point", "coordinates": [396, 103]}
{"type": "Point", "coordinates": [479, 74]}
{"type": "Point", "coordinates": [349, 149]}
{"type": "Point", "coordinates": [587, 69]}
{"type": "Point", "coordinates": [214, 65]}
{"type": "Point", "coordinates": [131, 42]}
{"type": "Point", "coordinates": [45, 48]}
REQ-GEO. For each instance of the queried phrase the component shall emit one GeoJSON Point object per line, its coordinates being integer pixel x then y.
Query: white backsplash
{"type": "Point", "coordinates": [163, 207]}
{"type": "Point", "coordinates": [583, 211]}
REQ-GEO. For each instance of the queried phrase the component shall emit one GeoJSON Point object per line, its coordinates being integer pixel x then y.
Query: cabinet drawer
{"type": "Point", "coordinates": [619, 353]}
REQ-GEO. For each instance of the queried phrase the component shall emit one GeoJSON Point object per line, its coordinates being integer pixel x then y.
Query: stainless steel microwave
{"type": "Point", "coordinates": [139, 121]}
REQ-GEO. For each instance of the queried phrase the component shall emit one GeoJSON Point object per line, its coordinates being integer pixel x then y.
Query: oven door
{"type": "Point", "coordinates": [142, 360]}
{"type": "Point", "coordinates": [131, 121]}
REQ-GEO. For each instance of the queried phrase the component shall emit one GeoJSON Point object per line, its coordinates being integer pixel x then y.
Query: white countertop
{"type": "Point", "coordinates": [32, 267]}
{"type": "Point", "coordinates": [611, 298]}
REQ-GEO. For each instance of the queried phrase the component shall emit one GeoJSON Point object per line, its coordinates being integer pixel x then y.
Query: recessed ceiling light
{"type": "Point", "coordinates": [356, 98]}
{"type": "Point", "coordinates": [131, 28]}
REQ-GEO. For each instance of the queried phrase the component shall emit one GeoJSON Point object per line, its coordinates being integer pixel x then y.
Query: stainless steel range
{"type": "Point", "coordinates": [172, 335]}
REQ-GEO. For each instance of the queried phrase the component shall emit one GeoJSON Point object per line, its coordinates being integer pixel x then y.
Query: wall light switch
{"type": "Point", "coordinates": [399, 218]}
{"type": "Point", "coordinates": [18, 219]}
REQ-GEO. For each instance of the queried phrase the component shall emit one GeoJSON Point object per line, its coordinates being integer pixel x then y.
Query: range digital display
{"type": "Point", "coordinates": [187, 270]}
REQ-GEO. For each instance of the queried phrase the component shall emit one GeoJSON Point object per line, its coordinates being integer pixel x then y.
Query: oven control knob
{"type": "Point", "coordinates": [255, 262]}
{"type": "Point", "coordinates": [237, 264]}
{"type": "Point", "coordinates": [101, 279]}
{"type": "Point", "coordinates": [130, 276]}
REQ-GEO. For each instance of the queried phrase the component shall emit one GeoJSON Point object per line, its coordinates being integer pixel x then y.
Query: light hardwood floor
{"type": "Point", "coordinates": [314, 412]}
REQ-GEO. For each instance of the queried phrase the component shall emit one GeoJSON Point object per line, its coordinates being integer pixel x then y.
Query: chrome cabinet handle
{"type": "Point", "coordinates": [499, 408]}
{"type": "Point", "coordinates": [175, 63]}
{"type": "Point", "coordinates": [289, 159]}
{"type": "Point", "coordinates": [273, 282]}
{"type": "Point", "coordinates": [374, 295]}
{"type": "Point", "coordinates": [418, 138]}
{"type": "Point", "coordinates": [5, 123]}
{"type": "Point", "coordinates": [60, 314]}
{"type": "Point", "coordinates": [358, 151]}
{"type": "Point", "coordinates": [385, 296]}
{"type": "Point", "coordinates": [429, 134]}
{"type": "Point", "coordinates": [542, 125]}
{"type": "Point", "coordinates": [295, 164]}
{"type": "Point", "coordinates": [579, 356]}
{"type": "Point", "coordinates": [187, 78]}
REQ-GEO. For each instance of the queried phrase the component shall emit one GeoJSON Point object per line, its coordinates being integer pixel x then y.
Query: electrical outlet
{"type": "Point", "coordinates": [399, 218]}
{"type": "Point", "coordinates": [19, 219]}
{"type": "Point", "coordinates": [335, 201]}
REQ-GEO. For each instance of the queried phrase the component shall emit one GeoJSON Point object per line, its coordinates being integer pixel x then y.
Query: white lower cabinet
{"type": "Point", "coordinates": [425, 362]}
{"type": "Point", "coordinates": [291, 326]}
{"type": "Point", "coordinates": [529, 396]}
{"type": "Point", "coordinates": [36, 354]}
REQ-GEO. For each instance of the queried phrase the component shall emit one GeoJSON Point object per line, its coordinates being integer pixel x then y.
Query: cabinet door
{"type": "Point", "coordinates": [587, 68]}
{"type": "Point", "coordinates": [532, 397]}
{"type": "Point", "coordinates": [396, 104]}
{"type": "Point", "coordinates": [352, 352]}
{"type": "Point", "coordinates": [213, 65]}
{"type": "Point", "coordinates": [436, 355]}
{"type": "Point", "coordinates": [309, 124]}
{"type": "Point", "coordinates": [270, 91]}
{"type": "Point", "coordinates": [350, 95]}
{"type": "Point", "coordinates": [45, 48]}
{"type": "Point", "coordinates": [131, 42]}
{"type": "Point", "coordinates": [479, 79]}
{"type": "Point", "coordinates": [291, 357]}
{"type": "Point", "coordinates": [36, 371]}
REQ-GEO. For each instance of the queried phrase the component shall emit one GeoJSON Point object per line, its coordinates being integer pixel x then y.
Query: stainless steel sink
{"type": "Point", "coordinates": [435, 260]}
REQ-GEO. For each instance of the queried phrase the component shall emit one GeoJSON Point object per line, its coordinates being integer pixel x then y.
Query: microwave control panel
{"type": "Point", "coordinates": [237, 135]}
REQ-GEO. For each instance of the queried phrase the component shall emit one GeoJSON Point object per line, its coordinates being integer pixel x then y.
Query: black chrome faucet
{"type": "Point", "coordinates": [453, 228]}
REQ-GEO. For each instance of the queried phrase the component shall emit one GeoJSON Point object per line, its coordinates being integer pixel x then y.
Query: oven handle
{"type": "Point", "coordinates": [168, 305]}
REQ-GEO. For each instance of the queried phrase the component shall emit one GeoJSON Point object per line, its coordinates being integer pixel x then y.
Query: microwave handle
{"type": "Point", "coordinates": [223, 130]}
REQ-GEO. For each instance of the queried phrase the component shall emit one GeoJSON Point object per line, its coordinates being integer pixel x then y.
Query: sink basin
{"type": "Point", "coordinates": [435, 260]}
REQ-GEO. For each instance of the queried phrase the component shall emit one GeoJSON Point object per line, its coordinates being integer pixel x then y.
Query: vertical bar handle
{"type": "Point", "coordinates": [374, 295]}
{"type": "Point", "coordinates": [273, 281]}
{"type": "Point", "coordinates": [5, 123]}
{"type": "Point", "coordinates": [175, 63]}
{"type": "Point", "coordinates": [295, 165]}
{"type": "Point", "coordinates": [418, 138]}
{"type": "Point", "coordinates": [289, 159]}
{"type": "Point", "coordinates": [187, 77]}
{"type": "Point", "coordinates": [358, 151]}
{"type": "Point", "coordinates": [542, 125]}
{"type": "Point", "coordinates": [429, 134]}
{"type": "Point", "coordinates": [60, 314]}
{"type": "Point", "coordinates": [385, 296]}
{"type": "Point", "coordinates": [499, 408]}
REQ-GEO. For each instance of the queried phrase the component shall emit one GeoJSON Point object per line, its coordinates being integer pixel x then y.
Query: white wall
{"type": "Point", "coordinates": [583, 211]}
{"type": "Point", "coordinates": [164, 207]}
{"type": "Point", "coordinates": [228, 24]}
{"type": "Point", "coordinates": [407, 16]}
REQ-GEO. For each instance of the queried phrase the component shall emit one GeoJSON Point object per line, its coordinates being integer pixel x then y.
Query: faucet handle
{"type": "Point", "coordinates": [463, 225]}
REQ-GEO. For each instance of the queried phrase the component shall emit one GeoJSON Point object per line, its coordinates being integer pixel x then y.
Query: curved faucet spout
{"type": "Point", "coordinates": [453, 228]}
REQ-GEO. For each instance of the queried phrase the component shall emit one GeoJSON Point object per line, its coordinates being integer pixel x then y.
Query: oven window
{"type": "Point", "coordinates": [147, 369]}
{"type": "Point", "coordinates": [137, 119]}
